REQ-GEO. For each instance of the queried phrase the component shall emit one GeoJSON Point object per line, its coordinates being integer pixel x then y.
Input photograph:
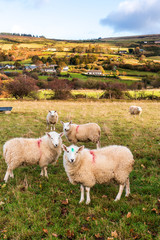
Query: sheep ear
{"type": "Point", "coordinates": [70, 122]}
{"type": "Point", "coordinates": [48, 134]}
{"type": "Point", "coordinates": [61, 134]}
{"type": "Point", "coordinates": [64, 148]}
{"type": "Point", "coordinates": [80, 149]}
{"type": "Point", "coordinates": [49, 111]}
{"type": "Point", "coordinates": [61, 122]}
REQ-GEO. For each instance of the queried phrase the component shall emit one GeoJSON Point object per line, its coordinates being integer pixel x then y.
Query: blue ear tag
{"type": "Point", "coordinates": [72, 149]}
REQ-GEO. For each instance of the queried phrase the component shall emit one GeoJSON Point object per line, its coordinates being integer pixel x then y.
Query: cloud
{"type": "Point", "coordinates": [138, 16]}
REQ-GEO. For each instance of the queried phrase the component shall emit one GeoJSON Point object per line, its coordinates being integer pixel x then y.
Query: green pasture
{"type": "Point", "coordinates": [13, 70]}
{"type": "Point", "coordinates": [26, 61]}
{"type": "Point", "coordinates": [33, 207]}
{"type": "Point", "coordinates": [135, 72]}
{"type": "Point", "coordinates": [96, 94]}
{"type": "Point", "coordinates": [43, 77]}
{"type": "Point", "coordinates": [82, 77]}
{"type": "Point", "coordinates": [145, 94]}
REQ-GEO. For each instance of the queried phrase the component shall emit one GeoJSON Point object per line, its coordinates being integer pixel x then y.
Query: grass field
{"type": "Point", "coordinates": [155, 58]}
{"type": "Point", "coordinates": [32, 207]}
{"type": "Point", "coordinates": [130, 78]}
{"type": "Point", "coordinates": [123, 79]}
{"type": "Point", "coordinates": [136, 73]}
{"type": "Point", "coordinates": [5, 46]}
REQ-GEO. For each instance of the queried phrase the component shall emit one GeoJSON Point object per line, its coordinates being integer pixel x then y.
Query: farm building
{"type": "Point", "coordinates": [65, 69]}
{"type": "Point", "coordinates": [95, 72]}
{"type": "Point", "coordinates": [122, 52]}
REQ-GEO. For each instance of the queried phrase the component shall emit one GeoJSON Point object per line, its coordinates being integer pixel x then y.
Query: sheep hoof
{"type": "Point", "coordinates": [116, 199]}
{"type": "Point", "coordinates": [81, 201]}
{"type": "Point", "coordinates": [88, 202]}
{"type": "Point", "coordinates": [127, 195]}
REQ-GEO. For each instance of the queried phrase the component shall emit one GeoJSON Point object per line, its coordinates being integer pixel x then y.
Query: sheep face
{"type": "Point", "coordinates": [72, 152]}
{"type": "Point", "coordinates": [55, 138]}
{"type": "Point", "coordinates": [66, 126]}
{"type": "Point", "coordinates": [52, 113]}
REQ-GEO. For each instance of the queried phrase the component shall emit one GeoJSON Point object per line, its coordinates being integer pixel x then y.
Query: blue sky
{"type": "Point", "coordinates": [80, 19]}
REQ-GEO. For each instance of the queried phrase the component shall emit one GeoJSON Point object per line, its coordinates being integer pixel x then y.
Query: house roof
{"type": "Point", "coordinates": [94, 71]}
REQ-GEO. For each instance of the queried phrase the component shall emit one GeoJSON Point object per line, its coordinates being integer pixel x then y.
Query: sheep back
{"type": "Point", "coordinates": [112, 162]}
{"type": "Point", "coordinates": [27, 151]}
{"type": "Point", "coordinates": [135, 110]}
{"type": "Point", "coordinates": [20, 150]}
{"type": "Point", "coordinates": [84, 132]}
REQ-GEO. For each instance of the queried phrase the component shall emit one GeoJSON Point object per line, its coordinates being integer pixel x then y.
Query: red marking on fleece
{"type": "Point", "coordinates": [93, 155]}
{"type": "Point", "coordinates": [39, 143]}
{"type": "Point", "coordinates": [77, 129]}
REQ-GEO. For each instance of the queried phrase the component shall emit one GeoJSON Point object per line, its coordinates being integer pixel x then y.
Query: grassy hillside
{"type": "Point", "coordinates": [33, 207]}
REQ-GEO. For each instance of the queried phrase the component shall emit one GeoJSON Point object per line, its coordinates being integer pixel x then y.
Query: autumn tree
{"type": "Point", "coordinates": [61, 87]}
{"type": "Point", "coordinates": [35, 58]}
{"type": "Point", "coordinates": [21, 86]}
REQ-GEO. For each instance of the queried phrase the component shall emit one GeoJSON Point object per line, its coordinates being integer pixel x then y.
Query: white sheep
{"type": "Point", "coordinates": [89, 167]}
{"type": "Point", "coordinates": [82, 133]}
{"type": "Point", "coordinates": [135, 110]}
{"type": "Point", "coordinates": [29, 151]}
{"type": "Point", "coordinates": [52, 119]}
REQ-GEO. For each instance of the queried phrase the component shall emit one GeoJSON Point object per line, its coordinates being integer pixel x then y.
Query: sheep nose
{"type": "Point", "coordinates": [72, 160]}
{"type": "Point", "coordinates": [56, 145]}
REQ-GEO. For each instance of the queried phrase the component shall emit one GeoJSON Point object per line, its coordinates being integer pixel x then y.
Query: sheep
{"type": "Point", "coordinates": [52, 119]}
{"type": "Point", "coordinates": [30, 151]}
{"type": "Point", "coordinates": [82, 133]}
{"type": "Point", "coordinates": [89, 167]}
{"type": "Point", "coordinates": [135, 110]}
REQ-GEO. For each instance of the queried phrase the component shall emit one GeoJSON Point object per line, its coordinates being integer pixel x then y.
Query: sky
{"type": "Point", "coordinates": [80, 19]}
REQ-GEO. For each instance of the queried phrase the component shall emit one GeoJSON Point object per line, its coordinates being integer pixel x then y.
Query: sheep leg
{"type": "Point", "coordinates": [45, 172]}
{"type": "Point", "coordinates": [127, 188]}
{"type": "Point", "coordinates": [82, 194]}
{"type": "Point", "coordinates": [53, 127]}
{"type": "Point", "coordinates": [88, 195]}
{"type": "Point", "coordinates": [98, 145]}
{"type": "Point", "coordinates": [118, 197]}
{"type": "Point", "coordinates": [47, 125]}
{"type": "Point", "coordinates": [42, 172]}
{"type": "Point", "coordinates": [7, 175]}
{"type": "Point", "coordinates": [11, 174]}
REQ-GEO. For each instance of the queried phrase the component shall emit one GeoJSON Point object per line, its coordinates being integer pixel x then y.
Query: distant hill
{"type": "Point", "coordinates": [20, 39]}
{"type": "Point", "coordinates": [29, 37]}
{"type": "Point", "coordinates": [151, 37]}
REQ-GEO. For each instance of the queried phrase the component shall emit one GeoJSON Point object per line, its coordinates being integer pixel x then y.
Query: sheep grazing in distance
{"type": "Point", "coordinates": [89, 167]}
{"type": "Point", "coordinates": [135, 110]}
{"type": "Point", "coordinates": [82, 133]}
{"type": "Point", "coordinates": [52, 119]}
{"type": "Point", "coordinates": [29, 151]}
